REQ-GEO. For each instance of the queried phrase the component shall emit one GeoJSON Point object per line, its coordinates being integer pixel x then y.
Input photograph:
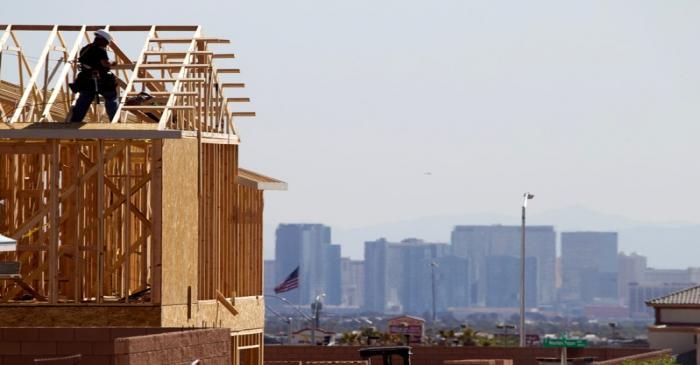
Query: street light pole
{"type": "Point", "coordinates": [316, 307]}
{"type": "Point", "coordinates": [433, 265]}
{"type": "Point", "coordinates": [505, 327]}
{"type": "Point", "coordinates": [526, 197]}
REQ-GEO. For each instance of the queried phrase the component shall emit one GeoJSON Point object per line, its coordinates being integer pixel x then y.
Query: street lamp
{"type": "Point", "coordinates": [316, 308]}
{"type": "Point", "coordinates": [433, 265]}
{"type": "Point", "coordinates": [505, 327]}
{"type": "Point", "coordinates": [526, 197]}
{"type": "Point", "coordinates": [613, 326]}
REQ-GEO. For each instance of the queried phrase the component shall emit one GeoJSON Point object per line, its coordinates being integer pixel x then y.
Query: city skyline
{"type": "Point", "coordinates": [678, 238]}
{"type": "Point", "coordinates": [477, 269]}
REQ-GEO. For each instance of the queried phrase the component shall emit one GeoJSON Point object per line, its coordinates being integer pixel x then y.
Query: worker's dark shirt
{"type": "Point", "coordinates": [92, 56]}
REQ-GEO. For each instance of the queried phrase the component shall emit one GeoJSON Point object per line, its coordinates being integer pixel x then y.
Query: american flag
{"type": "Point", "coordinates": [291, 282]}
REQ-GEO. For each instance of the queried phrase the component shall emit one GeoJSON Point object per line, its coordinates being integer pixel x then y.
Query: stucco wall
{"type": "Point", "coordinates": [680, 315]}
{"type": "Point", "coordinates": [679, 341]}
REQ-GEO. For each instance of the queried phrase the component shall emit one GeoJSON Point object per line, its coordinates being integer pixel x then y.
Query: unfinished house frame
{"type": "Point", "coordinates": [143, 220]}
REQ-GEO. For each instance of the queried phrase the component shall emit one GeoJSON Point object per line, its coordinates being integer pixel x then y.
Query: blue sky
{"type": "Point", "coordinates": [590, 104]}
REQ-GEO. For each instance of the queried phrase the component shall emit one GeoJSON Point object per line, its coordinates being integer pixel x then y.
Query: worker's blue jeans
{"type": "Point", "coordinates": [86, 97]}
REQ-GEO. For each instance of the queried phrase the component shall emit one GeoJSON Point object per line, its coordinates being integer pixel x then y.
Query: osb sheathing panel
{"type": "Point", "coordinates": [180, 217]}
{"type": "Point", "coordinates": [210, 313]}
{"type": "Point", "coordinates": [79, 316]}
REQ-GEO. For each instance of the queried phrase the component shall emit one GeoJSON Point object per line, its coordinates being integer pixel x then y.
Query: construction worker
{"type": "Point", "coordinates": [95, 78]}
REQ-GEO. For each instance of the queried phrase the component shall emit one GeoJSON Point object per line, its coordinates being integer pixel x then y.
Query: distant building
{"type": "Point", "coordinates": [332, 268]}
{"type": "Point", "coordinates": [589, 267]}
{"type": "Point", "coordinates": [503, 281]}
{"type": "Point", "coordinates": [382, 274]}
{"type": "Point", "coordinates": [476, 243]}
{"type": "Point", "coordinates": [309, 247]}
{"type": "Point", "coordinates": [270, 278]}
{"type": "Point", "coordinates": [630, 269]}
{"type": "Point", "coordinates": [667, 276]}
{"type": "Point", "coordinates": [352, 282]}
{"type": "Point", "coordinates": [304, 335]}
{"type": "Point", "coordinates": [639, 294]}
{"type": "Point", "coordinates": [452, 276]}
{"type": "Point", "coordinates": [417, 260]}
{"type": "Point", "coordinates": [398, 276]}
{"type": "Point", "coordinates": [407, 326]}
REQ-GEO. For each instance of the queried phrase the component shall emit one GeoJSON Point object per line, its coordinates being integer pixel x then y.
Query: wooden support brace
{"type": "Point", "coordinates": [28, 288]}
{"type": "Point", "coordinates": [222, 299]}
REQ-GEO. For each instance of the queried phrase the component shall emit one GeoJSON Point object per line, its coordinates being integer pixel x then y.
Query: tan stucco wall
{"type": "Point", "coordinates": [680, 315]}
{"type": "Point", "coordinates": [679, 342]}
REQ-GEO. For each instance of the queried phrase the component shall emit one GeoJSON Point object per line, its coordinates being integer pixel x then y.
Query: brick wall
{"type": "Point", "coordinates": [20, 346]}
{"type": "Point", "coordinates": [211, 346]}
{"type": "Point", "coordinates": [436, 355]}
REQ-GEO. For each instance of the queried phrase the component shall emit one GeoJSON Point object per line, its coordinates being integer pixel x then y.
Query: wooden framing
{"type": "Point", "coordinates": [189, 81]}
{"type": "Point", "coordinates": [77, 209]}
{"type": "Point", "coordinates": [142, 220]}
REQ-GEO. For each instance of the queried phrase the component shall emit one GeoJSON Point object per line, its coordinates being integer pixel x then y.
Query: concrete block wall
{"type": "Point", "coordinates": [210, 346]}
{"type": "Point", "coordinates": [118, 345]}
{"type": "Point", "coordinates": [19, 346]}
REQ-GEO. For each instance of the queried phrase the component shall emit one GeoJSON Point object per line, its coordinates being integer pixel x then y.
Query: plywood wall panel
{"type": "Point", "coordinates": [180, 210]}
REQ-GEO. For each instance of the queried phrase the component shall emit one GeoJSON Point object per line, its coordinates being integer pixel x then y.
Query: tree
{"type": "Point", "coordinates": [350, 338]}
{"type": "Point", "coordinates": [467, 337]}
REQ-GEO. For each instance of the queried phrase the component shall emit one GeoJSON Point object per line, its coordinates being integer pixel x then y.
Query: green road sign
{"type": "Point", "coordinates": [565, 342]}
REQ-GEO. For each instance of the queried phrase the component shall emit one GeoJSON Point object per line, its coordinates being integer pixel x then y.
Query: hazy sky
{"type": "Point", "coordinates": [591, 103]}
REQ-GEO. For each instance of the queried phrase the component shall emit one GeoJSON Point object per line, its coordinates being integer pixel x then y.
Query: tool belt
{"type": "Point", "coordinates": [86, 80]}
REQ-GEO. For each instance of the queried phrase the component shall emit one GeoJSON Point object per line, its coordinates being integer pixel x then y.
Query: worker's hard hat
{"type": "Point", "coordinates": [103, 34]}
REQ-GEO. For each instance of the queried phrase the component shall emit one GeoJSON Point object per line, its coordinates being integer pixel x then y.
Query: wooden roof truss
{"type": "Point", "coordinates": [180, 72]}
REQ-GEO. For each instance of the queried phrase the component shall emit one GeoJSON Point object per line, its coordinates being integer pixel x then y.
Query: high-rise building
{"type": "Point", "coordinates": [331, 269]}
{"type": "Point", "coordinates": [418, 260]}
{"type": "Point", "coordinates": [382, 274]}
{"type": "Point", "coordinates": [352, 278]}
{"type": "Point", "coordinates": [589, 267]}
{"type": "Point", "coordinates": [630, 269]}
{"type": "Point", "coordinates": [308, 246]}
{"type": "Point", "coordinates": [270, 278]}
{"type": "Point", "coordinates": [477, 243]}
{"type": "Point", "coordinates": [399, 276]}
{"type": "Point", "coordinates": [667, 276]}
{"type": "Point", "coordinates": [639, 294]}
{"type": "Point", "coordinates": [503, 281]}
{"type": "Point", "coordinates": [452, 277]}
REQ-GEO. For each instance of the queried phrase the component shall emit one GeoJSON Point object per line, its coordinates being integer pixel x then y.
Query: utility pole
{"type": "Point", "coordinates": [288, 320]}
{"type": "Point", "coordinates": [526, 197]}
{"type": "Point", "coordinates": [311, 320]}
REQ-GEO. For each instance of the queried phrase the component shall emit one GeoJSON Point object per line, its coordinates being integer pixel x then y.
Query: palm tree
{"type": "Point", "coordinates": [448, 337]}
{"type": "Point", "coordinates": [467, 337]}
{"type": "Point", "coordinates": [350, 338]}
